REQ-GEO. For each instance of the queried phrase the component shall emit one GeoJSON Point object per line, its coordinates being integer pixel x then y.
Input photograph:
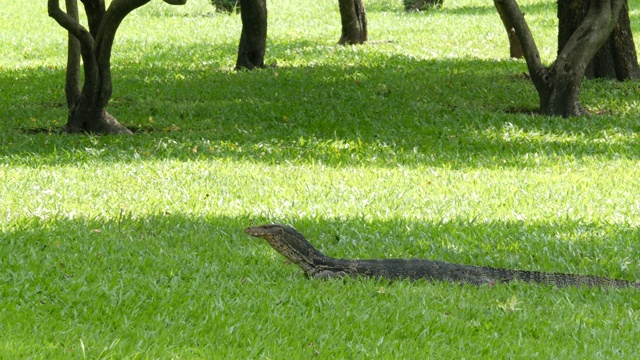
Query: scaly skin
{"type": "Point", "coordinates": [293, 245]}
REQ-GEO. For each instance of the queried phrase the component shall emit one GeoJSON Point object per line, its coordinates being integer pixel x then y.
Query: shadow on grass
{"type": "Point", "coordinates": [158, 244]}
{"type": "Point", "coordinates": [491, 9]}
{"type": "Point", "coordinates": [464, 10]}
{"type": "Point", "coordinates": [386, 111]}
{"type": "Point", "coordinates": [164, 284]}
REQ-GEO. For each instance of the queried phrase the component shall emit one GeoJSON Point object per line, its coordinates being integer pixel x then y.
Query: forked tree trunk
{"type": "Point", "coordinates": [617, 58]}
{"type": "Point", "coordinates": [558, 86]}
{"type": "Point", "coordinates": [354, 22]}
{"type": "Point", "coordinates": [515, 49]}
{"type": "Point", "coordinates": [253, 39]}
{"type": "Point", "coordinates": [87, 103]}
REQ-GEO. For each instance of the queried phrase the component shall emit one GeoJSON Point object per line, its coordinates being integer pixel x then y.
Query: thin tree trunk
{"type": "Point", "coordinates": [515, 49]}
{"type": "Point", "coordinates": [539, 73]}
{"type": "Point", "coordinates": [354, 22]}
{"type": "Point", "coordinates": [72, 87]}
{"type": "Point", "coordinates": [253, 39]}
{"type": "Point", "coordinates": [95, 10]}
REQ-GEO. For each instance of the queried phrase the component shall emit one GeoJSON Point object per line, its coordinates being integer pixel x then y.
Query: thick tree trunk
{"type": "Point", "coordinates": [617, 58]}
{"type": "Point", "coordinates": [354, 22]}
{"type": "Point", "coordinates": [253, 39]}
{"type": "Point", "coordinates": [93, 120]}
{"type": "Point", "coordinates": [515, 49]}
{"type": "Point", "coordinates": [559, 86]}
{"type": "Point", "coordinates": [623, 47]}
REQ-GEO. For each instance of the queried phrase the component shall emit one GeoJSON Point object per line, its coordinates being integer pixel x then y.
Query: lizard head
{"type": "Point", "coordinates": [288, 242]}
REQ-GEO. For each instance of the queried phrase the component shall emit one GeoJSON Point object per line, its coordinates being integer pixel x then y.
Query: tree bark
{"type": "Point", "coordinates": [558, 86]}
{"type": "Point", "coordinates": [354, 22]}
{"type": "Point", "coordinates": [253, 39]}
{"type": "Point", "coordinates": [515, 49]}
{"type": "Point", "coordinates": [617, 58]}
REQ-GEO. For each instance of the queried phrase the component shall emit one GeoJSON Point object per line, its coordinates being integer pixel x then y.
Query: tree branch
{"type": "Point", "coordinates": [538, 72]}
{"type": "Point", "coordinates": [117, 11]}
{"type": "Point", "coordinates": [95, 10]}
{"type": "Point", "coordinates": [515, 49]}
{"type": "Point", "coordinates": [70, 24]}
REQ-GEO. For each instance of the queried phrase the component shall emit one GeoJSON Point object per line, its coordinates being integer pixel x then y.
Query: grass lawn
{"type": "Point", "coordinates": [115, 247]}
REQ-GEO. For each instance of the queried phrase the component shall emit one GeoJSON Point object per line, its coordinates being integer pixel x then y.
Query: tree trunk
{"type": "Point", "coordinates": [87, 104]}
{"type": "Point", "coordinates": [72, 81]}
{"type": "Point", "coordinates": [617, 58]}
{"type": "Point", "coordinates": [419, 5]}
{"type": "Point", "coordinates": [253, 39]}
{"type": "Point", "coordinates": [515, 49]}
{"type": "Point", "coordinates": [354, 22]}
{"type": "Point", "coordinates": [558, 86]}
{"type": "Point", "coordinates": [86, 109]}
{"type": "Point", "coordinates": [623, 47]}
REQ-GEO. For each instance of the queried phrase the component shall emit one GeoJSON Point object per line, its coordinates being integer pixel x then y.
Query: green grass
{"type": "Point", "coordinates": [132, 247]}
